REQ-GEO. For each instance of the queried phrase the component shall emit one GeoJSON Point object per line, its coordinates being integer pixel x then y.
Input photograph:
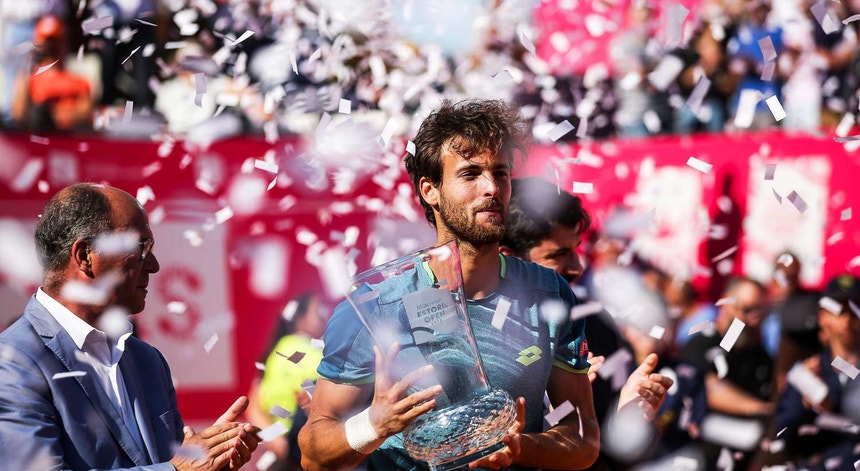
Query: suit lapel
{"type": "Point", "coordinates": [59, 341]}
{"type": "Point", "coordinates": [137, 399]}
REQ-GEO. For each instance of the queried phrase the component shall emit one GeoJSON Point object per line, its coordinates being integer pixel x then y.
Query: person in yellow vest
{"type": "Point", "coordinates": [291, 364]}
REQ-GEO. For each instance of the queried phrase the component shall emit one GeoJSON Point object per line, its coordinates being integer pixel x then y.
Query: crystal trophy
{"type": "Point", "coordinates": [418, 301]}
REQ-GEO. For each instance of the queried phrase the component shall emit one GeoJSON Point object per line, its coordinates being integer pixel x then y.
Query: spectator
{"type": "Point", "coordinates": [688, 309]}
{"type": "Point", "coordinates": [51, 98]}
{"type": "Point", "coordinates": [738, 381]}
{"type": "Point", "coordinates": [19, 23]}
{"type": "Point", "coordinates": [118, 407]}
{"type": "Point", "coordinates": [291, 360]}
{"type": "Point", "coordinates": [545, 226]}
{"type": "Point", "coordinates": [798, 408]}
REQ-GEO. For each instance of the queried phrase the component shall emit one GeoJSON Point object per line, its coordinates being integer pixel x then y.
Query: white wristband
{"type": "Point", "coordinates": [360, 433]}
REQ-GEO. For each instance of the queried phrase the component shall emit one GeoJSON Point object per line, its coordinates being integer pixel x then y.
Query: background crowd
{"type": "Point", "coordinates": [274, 66]}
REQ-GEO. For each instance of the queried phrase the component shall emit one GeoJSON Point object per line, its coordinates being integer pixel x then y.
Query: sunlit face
{"type": "Point", "coordinates": [131, 269]}
{"type": "Point", "coordinates": [472, 200]}
{"type": "Point", "coordinates": [559, 252]}
{"type": "Point", "coordinates": [749, 306]}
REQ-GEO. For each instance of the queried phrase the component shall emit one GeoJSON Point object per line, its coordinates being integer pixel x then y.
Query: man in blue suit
{"type": "Point", "coordinates": [77, 391]}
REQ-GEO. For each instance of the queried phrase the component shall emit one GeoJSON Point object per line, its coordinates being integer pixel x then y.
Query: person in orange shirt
{"type": "Point", "coordinates": [52, 98]}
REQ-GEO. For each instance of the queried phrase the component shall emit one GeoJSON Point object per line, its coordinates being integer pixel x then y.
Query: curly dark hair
{"type": "Point", "coordinates": [75, 212]}
{"type": "Point", "coordinates": [470, 127]}
{"type": "Point", "coordinates": [536, 207]}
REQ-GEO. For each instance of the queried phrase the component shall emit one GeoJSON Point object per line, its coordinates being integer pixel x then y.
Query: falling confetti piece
{"type": "Point", "coordinates": [586, 309]}
{"type": "Point", "coordinates": [725, 254]}
{"type": "Point", "coordinates": [769, 171]}
{"type": "Point", "coordinates": [45, 68]}
{"type": "Point", "coordinates": [582, 187]}
{"type": "Point", "coordinates": [279, 411]}
{"type": "Point", "coordinates": [807, 383]}
{"type": "Point", "coordinates": [699, 165]}
{"type": "Point", "coordinates": [247, 34]}
{"type": "Point", "coordinates": [798, 202]}
{"type": "Point", "coordinates": [657, 332]}
{"type": "Point", "coordinates": [845, 367]}
{"type": "Point", "coordinates": [560, 412]}
{"type": "Point", "coordinates": [275, 430]}
{"type": "Point", "coordinates": [700, 327]}
{"type": "Point", "coordinates": [767, 49]}
{"type": "Point", "coordinates": [344, 107]}
{"type": "Point", "coordinates": [559, 130]}
{"type": "Point", "coordinates": [69, 374]}
{"type": "Point", "coordinates": [732, 334]}
{"type": "Point", "coordinates": [697, 96]}
{"type": "Point", "coordinates": [501, 313]}
{"type": "Point", "coordinates": [776, 108]}
{"type": "Point", "coordinates": [210, 343]}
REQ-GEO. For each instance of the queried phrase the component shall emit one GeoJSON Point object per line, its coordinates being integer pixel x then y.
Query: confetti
{"type": "Point", "coordinates": [657, 332]}
{"type": "Point", "coordinates": [725, 254]}
{"type": "Point", "coordinates": [767, 71]}
{"type": "Point", "coordinates": [45, 68]}
{"type": "Point", "coordinates": [247, 34]}
{"type": "Point", "coordinates": [586, 309]}
{"type": "Point", "coordinates": [223, 215]}
{"type": "Point", "coordinates": [732, 334]}
{"type": "Point", "coordinates": [798, 202]}
{"type": "Point", "coordinates": [501, 313]}
{"type": "Point", "coordinates": [200, 86]}
{"type": "Point", "coordinates": [260, 366]}
{"type": "Point", "coordinates": [28, 175]}
{"type": "Point", "coordinates": [767, 49]}
{"type": "Point", "coordinates": [318, 344]}
{"type": "Point", "coordinates": [699, 165]}
{"type": "Point", "coordinates": [309, 387]}
{"type": "Point", "coordinates": [279, 411]}
{"type": "Point", "coordinates": [296, 357]}
{"type": "Point", "coordinates": [722, 365]}
{"type": "Point", "coordinates": [410, 147]}
{"type": "Point", "coordinates": [827, 23]}
{"type": "Point", "coordinates": [850, 19]}
{"type": "Point", "coordinates": [210, 343]}
{"type": "Point", "coordinates": [845, 367]}
{"type": "Point", "coordinates": [560, 412]}
{"type": "Point", "coordinates": [131, 54]}
{"type": "Point", "coordinates": [582, 187]}
{"type": "Point", "coordinates": [769, 171]}
{"type": "Point", "coordinates": [697, 96]}
{"type": "Point", "coordinates": [845, 215]}
{"type": "Point", "coordinates": [776, 195]}
{"type": "Point", "coordinates": [266, 460]}
{"type": "Point", "coordinates": [831, 305]}
{"type": "Point", "coordinates": [807, 383]}
{"type": "Point", "coordinates": [96, 25]}
{"type": "Point", "coordinates": [615, 367]}
{"type": "Point", "coordinates": [559, 130]}
{"type": "Point", "coordinates": [776, 108]}
{"type": "Point", "coordinates": [275, 430]}
{"type": "Point", "coordinates": [345, 106]}
{"type": "Point", "coordinates": [666, 71]}
{"type": "Point", "coordinates": [68, 374]}
{"type": "Point", "coordinates": [746, 108]}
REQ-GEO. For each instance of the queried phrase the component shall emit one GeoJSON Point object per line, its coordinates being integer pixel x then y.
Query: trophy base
{"type": "Point", "coordinates": [455, 436]}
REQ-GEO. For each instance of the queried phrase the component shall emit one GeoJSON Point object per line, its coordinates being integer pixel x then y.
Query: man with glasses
{"type": "Point", "coordinates": [77, 391]}
{"type": "Point", "coordinates": [739, 373]}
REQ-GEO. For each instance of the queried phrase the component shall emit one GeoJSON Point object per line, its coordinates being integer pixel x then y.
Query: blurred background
{"type": "Point", "coordinates": [265, 139]}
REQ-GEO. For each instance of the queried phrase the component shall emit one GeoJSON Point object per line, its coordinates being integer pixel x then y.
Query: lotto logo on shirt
{"type": "Point", "coordinates": [583, 348]}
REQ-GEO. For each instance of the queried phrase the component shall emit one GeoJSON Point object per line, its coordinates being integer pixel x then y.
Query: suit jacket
{"type": "Point", "coordinates": [70, 423]}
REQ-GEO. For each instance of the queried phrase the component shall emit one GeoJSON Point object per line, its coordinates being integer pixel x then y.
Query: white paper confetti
{"type": "Point", "coordinates": [747, 102]}
{"type": "Point", "coordinates": [845, 367]}
{"type": "Point", "coordinates": [767, 71]}
{"type": "Point", "coordinates": [68, 374]}
{"type": "Point", "coordinates": [722, 365]}
{"type": "Point", "coordinates": [501, 313]}
{"type": "Point", "coordinates": [699, 165]}
{"type": "Point", "coordinates": [410, 147]}
{"type": "Point", "coordinates": [582, 187]}
{"type": "Point", "coordinates": [769, 171]}
{"type": "Point", "coordinates": [586, 309]}
{"type": "Point", "coordinates": [845, 215]}
{"type": "Point", "coordinates": [247, 34]}
{"type": "Point", "coordinates": [318, 344]}
{"type": "Point", "coordinates": [279, 411]}
{"type": "Point", "coordinates": [725, 254]}
{"type": "Point", "coordinates": [266, 460]}
{"type": "Point", "coordinates": [776, 108]}
{"type": "Point", "coordinates": [697, 96]}
{"type": "Point", "coordinates": [95, 25]}
{"type": "Point", "coordinates": [767, 49]}
{"type": "Point", "coordinates": [827, 23]}
{"type": "Point", "coordinates": [45, 68]}
{"type": "Point", "coordinates": [807, 383]}
{"type": "Point", "coordinates": [732, 334]}
{"type": "Point", "coordinates": [831, 305]}
{"type": "Point", "coordinates": [798, 202]}
{"type": "Point", "coordinates": [275, 430]}
{"type": "Point", "coordinates": [210, 343]}
{"type": "Point", "coordinates": [223, 215]}
{"type": "Point", "coordinates": [724, 301]}
{"type": "Point", "coordinates": [560, 412]}
{"type": "Point", "coordinates": [344, 107]}
{"type": "Point", "coordinates": [260, 366]}
{"type": "Point", "coordinates": [657, 332]}
{"type": "Point", "coordinates": [559, 130]}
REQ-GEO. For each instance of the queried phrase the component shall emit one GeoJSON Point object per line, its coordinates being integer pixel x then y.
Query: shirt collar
{"type": "Point", "coordinates": [79, 330]}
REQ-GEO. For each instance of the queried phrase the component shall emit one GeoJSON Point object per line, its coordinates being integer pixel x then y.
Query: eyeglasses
{"type": "Point", "coordinates": [145, 247]}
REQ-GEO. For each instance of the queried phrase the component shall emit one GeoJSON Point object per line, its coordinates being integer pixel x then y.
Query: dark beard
{"type": "Point", "coordinates": [457, 221]}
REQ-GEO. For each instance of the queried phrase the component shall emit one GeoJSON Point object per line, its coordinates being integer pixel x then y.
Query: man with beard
{"type": "Point", "coordinates": [461, 171]}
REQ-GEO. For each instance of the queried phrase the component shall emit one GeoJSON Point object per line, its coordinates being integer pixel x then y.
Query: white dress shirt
{"type": "Point", "coordinates": [101, 350]}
